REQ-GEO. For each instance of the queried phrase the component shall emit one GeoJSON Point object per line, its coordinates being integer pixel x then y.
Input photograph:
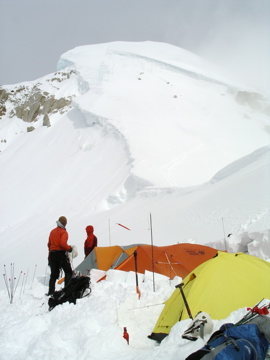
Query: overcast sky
{"type": "Point", "coordinates": [232, 33]}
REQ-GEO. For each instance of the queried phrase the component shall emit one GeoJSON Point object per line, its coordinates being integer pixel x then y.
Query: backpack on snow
{"type": "Point", "coordinates": [238, 342]}
{"type": "Point", "coordinates": [77, 287]}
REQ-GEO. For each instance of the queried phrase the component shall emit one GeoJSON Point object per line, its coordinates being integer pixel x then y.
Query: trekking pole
{"type": "Point", "coordinates": [10, 289]}
{"type": "Point", "coordinates": [12, 279]}
{"type": "Point", "coordinates": [249, 315]}
{"type": "Point", "coordinates": [152, 246]}
{"type": "Point", "coordinates": [17, 282]}
{"type": "Point", "coordinates": [23, 280]}
{"type": "Point", "coordinates": [34, 275]}
{"type": "Point", "coordinates": [6, 281]}
{"type": "Point", "coordinates": [136, 275]}
{"type": "Point", "coordinates": [180, 286]}
{"type": "Point", "coordinates": [26, 278]}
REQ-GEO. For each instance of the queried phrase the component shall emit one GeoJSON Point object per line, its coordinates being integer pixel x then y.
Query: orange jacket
{"type": "Point", "coordinates": [91, 241]}
{"type": "Point", "coordinates": [58, 240]}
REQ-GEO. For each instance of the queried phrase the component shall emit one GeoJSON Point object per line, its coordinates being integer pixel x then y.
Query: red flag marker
{"type": "Point", "coordinates": [123, 226]}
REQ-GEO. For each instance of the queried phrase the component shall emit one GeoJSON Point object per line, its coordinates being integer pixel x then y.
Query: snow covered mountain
{"type": "Point", "coordinates": [125, 129]}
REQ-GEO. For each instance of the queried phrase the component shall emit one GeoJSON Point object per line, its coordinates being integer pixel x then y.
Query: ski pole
{"type": "Point", "coordinates": [12, 281]}
{"type": "Point", "coordinates": [26, 278]}
{"type": "Point", "coordinates": [22, 286]}
{"type": "Point", "coordinates": [18, 280]}
{"type": "Point", "coordinates": [6, 281]}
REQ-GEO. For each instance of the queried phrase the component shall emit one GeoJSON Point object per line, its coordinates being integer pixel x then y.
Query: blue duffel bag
{"type": "Point", "coordinates": [234, 342]}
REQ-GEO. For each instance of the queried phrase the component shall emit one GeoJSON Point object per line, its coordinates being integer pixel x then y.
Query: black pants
{"type": "Point", "coordinates": [58, 260]}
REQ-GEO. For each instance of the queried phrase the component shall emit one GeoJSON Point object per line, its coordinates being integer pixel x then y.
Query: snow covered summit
{"type": "Point", "coordinates": [180, 119]}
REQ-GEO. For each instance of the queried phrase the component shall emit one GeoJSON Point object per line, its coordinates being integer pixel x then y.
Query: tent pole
{"type": "Point", "coordinates": [180, 286]}
{"type": "Point", "coordinates": [152, 246]}
{"type": "Point", "coordinates": [224, 234]}
{"type": "Point", "coordinates": [136, 275]}
{"type": "Point", "coordinates": [109, 228]}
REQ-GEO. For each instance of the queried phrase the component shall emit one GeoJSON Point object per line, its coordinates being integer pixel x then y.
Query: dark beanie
{"type": "Point", "coordinates": [63, 220]}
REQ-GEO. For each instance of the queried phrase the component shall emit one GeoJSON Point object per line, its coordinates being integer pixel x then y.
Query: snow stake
{"type": "Point", "coordinates": [136, 275]}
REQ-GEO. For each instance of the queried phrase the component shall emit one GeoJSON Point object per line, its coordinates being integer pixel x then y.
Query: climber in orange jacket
{"type": "Point", "coordinates": [58, 257]}
{"type": "Point", "coordinates": [91, 241]}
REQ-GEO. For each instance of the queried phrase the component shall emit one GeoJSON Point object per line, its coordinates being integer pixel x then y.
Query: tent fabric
{"type": "Point", "coordinates": [218, 286]}
{"type": "Point", "coordinates": [172, 260]}
{"type": "Point", "coordinates": [105, 258]}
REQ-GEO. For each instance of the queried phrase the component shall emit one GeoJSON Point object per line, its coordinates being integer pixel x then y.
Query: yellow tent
{"type": "Point", "coordinates": [218, 286]}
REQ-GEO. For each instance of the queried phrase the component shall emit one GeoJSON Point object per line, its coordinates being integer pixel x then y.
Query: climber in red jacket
{"type": "Point", "coordinates": [91, 241]}
{"type": "Point", "coordinates": [58, 258]}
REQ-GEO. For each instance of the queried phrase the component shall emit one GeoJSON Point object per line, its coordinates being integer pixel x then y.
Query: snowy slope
{"type": "Point", "coordinates": [134, 129]}
{"type": "Point", "coordinates": [236, 200]}
{"type": "Point", "coordinates": [145, 120]}
{"type": "Point", "coordinates": [177, 115]}
{"type": "Point", "coordinates": [93, 328]}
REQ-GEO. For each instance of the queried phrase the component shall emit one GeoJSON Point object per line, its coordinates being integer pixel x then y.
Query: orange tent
{"type": "Point", "coordinates": [172, 260]}
{"type": "Point", "coordinates": [105, 258]}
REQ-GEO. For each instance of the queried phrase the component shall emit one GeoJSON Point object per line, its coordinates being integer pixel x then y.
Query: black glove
{"type": "Point", "coordinates": [70, 250]}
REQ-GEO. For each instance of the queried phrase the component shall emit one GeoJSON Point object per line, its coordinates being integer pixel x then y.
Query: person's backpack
{"type": "Point", "coordinates": [238, 342]}
{"type": "Point", "coordinates": [77, 287]}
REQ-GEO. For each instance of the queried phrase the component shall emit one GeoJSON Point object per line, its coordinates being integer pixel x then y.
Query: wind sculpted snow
{"type": "Point", "coordinates": [180, 119]}
{"type": "Point", "coordinates": [93, 328]}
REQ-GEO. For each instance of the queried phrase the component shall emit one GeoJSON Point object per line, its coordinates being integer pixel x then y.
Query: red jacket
{"type": "Point", "coordinates": [58, 240]}
{"type": "Point", "coordinates": [91, 241]}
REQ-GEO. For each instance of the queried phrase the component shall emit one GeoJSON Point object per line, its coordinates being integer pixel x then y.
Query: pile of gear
{"type": "Point", "coordinates": [247, 339]}
{"type": "Point", "coordinates": [77, 288]}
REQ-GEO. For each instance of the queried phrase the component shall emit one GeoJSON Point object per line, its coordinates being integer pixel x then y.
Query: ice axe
{"type": "Point", "coordinates": [180, 286]}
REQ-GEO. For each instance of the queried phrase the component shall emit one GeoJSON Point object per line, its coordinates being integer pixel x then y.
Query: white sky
{"type": "Point", "coordinates": [34, 33]}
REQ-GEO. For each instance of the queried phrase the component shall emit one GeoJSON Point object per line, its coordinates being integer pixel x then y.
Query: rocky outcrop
{"type": "Point", "coordinates": [3, 95]}
{"type": "Point", "coordinates": [30, 102]}
{"type": "Point", "coordinates": [40, 104]}
{"type": "Point", "coordinates": [3, 98]}
{"type": "Point", "coordinates": [46, 121]}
